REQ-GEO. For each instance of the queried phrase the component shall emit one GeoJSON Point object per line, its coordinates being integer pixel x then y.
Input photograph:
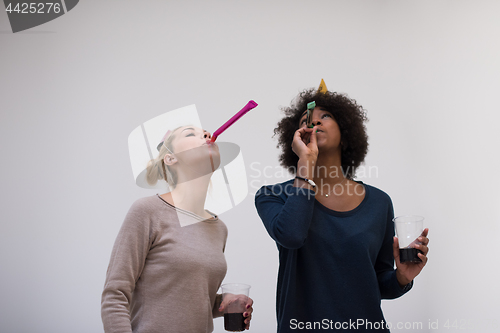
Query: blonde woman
{"type": "Point", "coordinates": [168, 259]}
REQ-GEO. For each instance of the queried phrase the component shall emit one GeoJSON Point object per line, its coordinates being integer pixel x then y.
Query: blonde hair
{"type": "Point", "coordinates": [157, 170]}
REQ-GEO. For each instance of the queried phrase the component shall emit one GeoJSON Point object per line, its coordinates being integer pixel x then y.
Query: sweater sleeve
{"type": "Point", "coordinates": [384, 266]}
{"type": "Point", "coordinates": [215, 310]}
{"type": "Point", "coordinates": [218, 298]}
{"type": "Point", "coordinates": [126, 263]}
{"type": "Point", "coordinates": [286, 212]}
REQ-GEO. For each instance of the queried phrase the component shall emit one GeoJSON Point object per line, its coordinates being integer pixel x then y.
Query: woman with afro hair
{"type": "Point", "coordinates": [335, 235]}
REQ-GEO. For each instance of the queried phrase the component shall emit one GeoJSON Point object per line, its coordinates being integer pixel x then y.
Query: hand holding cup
{"type": "Point", "coordinates": [237, 307]}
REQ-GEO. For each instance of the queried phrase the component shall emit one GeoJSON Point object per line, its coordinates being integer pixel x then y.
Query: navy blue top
{"type": "Point", "coordinates": [335, 267]}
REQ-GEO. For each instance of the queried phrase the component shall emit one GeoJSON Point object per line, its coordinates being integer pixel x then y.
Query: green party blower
{"type": "Point", "coordinates": [310, 108]}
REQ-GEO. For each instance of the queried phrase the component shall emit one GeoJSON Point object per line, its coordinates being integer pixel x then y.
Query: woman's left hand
{"type": "Point", "coordinates": [247, 314]}
{"type": "Point", "coordinates": [406, 272]}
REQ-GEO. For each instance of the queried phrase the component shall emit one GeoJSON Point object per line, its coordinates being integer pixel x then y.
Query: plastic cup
{"type": "Point", "coordinates": [408, 229]}
{"type": "Point", "coordinates": [235, 297]}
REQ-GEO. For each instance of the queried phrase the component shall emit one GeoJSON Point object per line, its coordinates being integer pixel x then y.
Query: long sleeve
{"type": "Point", "coordinates": [286, 212]}
{"type": "Point", "coordinates": [333, 265]}
{"type": "Point", "coordinates": [215, 310]}
{"type": "Point", "coordinates": [161, 273]}
{"type": "Point", "coordinates": [384, 266]}
{"type": "Point", "coordinates": [125, 266]}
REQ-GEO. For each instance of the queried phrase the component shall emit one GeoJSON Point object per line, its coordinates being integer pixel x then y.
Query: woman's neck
{"type": "Point", "coordinates": [191, 195]}
{"type": "Point", "coordinates": [328, 169]}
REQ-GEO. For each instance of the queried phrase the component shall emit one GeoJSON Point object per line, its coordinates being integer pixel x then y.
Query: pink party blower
{"type": "Point", "coordinates": [250, 105]}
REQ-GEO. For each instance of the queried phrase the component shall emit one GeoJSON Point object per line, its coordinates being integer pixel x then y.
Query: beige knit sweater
{"type": "Point", "coordinates": [163, 277]}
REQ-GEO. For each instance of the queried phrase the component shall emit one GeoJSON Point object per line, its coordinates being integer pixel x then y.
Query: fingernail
{"type": "Point", "coordinates": [248, 306]}
{"type": "Point", "coordinates": [245, 314]}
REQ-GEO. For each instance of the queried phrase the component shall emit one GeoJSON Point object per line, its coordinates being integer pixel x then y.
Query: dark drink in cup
{"type": "Point", "coordinates": [234, 298]}
{"type": "Point", "coordinates": [234, 322]}
{"type": "Point", "coordinates": [409, 255]}
{"type": "Point", "coordinates": [408, 229]}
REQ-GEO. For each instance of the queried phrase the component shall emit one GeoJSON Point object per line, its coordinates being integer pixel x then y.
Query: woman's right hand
{"type": "Point", "coordinates": [304, 144]}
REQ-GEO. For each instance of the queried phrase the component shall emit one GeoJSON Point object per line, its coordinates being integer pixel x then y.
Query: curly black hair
{"type": "Point", "coordinates": [349, 116]}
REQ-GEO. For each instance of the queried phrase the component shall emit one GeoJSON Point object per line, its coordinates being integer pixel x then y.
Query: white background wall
{"type": "Point", "coordinates": [72, 90]}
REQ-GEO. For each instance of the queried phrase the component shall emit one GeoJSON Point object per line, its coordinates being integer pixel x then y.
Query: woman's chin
{"type": "Point", "coordinates": [326, 147]}
{"type": "Point", "coordinates": [216, 164]}
{"type": "Point", "coordinates": [214, 157]}
{"type": "Point", "coordinates": [207, 163]}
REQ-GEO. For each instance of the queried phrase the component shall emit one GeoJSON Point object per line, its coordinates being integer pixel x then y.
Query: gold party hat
{"type": "Point", "coordinates": [322, 87]}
